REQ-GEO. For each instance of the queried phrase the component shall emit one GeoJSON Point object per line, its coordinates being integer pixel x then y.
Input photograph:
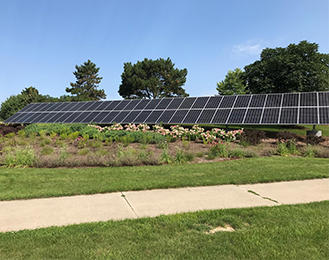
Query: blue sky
{"type": "Point", "coordinates": [41, 41]}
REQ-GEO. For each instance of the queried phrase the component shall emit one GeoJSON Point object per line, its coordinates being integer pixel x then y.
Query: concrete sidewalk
{"type": "Point", "coordinates": [37, 213]}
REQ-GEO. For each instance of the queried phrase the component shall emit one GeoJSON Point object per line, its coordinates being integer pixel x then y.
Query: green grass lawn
{"type": "Point", "coordinates": [18, 183]}
{"type": "Point", "coordinates": [280, 232]}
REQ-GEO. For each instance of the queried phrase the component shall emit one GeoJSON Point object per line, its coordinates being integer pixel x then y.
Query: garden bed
{"type": "Point", "coordinates": [57, 145]}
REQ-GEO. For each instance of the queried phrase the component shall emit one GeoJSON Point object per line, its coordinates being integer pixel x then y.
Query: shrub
{"type": "Point", "coordinates": [313, 139]}
{"type": "Point", "coordinates": [20, 157]}
{"type": "Point", "coordinates": [218, 150]}
{"type": "Point", "coordinates": [90, 131]}
{"type": "Point", "coordinates": [253, 137]}
{"type": "Point", "coordinates": [285, 135]}
{"type": "Point", "coordinates": [21, 133]}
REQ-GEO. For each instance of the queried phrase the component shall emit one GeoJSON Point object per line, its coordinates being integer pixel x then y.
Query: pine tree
{"type": "Point", "coordinates": [152, 79]}
{"type": "Point", "coordinates": [85, 87]}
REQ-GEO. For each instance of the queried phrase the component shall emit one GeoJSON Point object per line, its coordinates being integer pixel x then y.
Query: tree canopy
{"type": "Point", "coordinates": [296, 68]}
{"type": "Point", "coordinates": [14, 103]}
{"type": "Point", "coordinates": [233, 84]}
{"type": "Point", "coordinates": [152, 79]}
{"type": "Point", "coordinates": [87, 80]}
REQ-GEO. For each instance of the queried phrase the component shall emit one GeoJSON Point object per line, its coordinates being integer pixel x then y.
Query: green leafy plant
{"type": "Point", "coordinates": [186, 142]}
{"type": "Point", "coordinates": [42, 134]}
{"type": "Point", "coordinates": [21, 133]}
{"type": "Point", "coordinates": [63, 136]}
{"type": "Point", "coordinates": [218, 150]}
{"type": "Point", "coordinates": [73, 136]}
{"type": "Point", "coordinates": [309, 151]}
{"type": "Point", "coordinates": [20, 157]}
{"type": "Point", "coordinates": [180, 157]}
{"type": "Point", "coordinates": [282, 149]}
{"type": "Point", "coordinates": [146, 139]}
{"type": "Point", "coordinates": [45, 142]}
{"type": "Point", "coordinates": [53, 135]}
{"type": "Point", "coordinates": [165, 157]}
{"type": "Point", "coordinates": [126, 139]}
{"type": "Point", "coordinates": [108, 141]}
{"type": "Point", "coordinates": [10, 135]}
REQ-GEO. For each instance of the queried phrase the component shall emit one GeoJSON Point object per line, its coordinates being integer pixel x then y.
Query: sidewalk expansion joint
{"type": "Point", "coordinates": [124, 197]}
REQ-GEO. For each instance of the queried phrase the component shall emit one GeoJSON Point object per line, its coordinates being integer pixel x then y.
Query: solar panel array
{"type": "Point", "coordinates": [287, 108]}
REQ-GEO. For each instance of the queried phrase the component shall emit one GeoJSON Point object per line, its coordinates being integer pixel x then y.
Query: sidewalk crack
{"type": "Point", "coordinates": [266, 198]}
{"type": "Point", "coordinates": [124, 196]}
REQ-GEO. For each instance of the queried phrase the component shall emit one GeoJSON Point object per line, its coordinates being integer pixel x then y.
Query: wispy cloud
{"type": "Point", "coordinates": [251, 47]}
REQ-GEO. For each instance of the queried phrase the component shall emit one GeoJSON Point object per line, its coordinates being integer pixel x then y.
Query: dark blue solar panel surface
{"type": "Point", "coordinates": [286, 108]}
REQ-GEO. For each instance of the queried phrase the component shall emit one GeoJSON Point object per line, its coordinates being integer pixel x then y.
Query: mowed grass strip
{"type": "Point", "coordinates": [280, 232]}
{"type": "Point", "coordinates": [16, 183]}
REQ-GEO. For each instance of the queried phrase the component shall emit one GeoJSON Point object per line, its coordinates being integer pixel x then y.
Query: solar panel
{"type": "Point", "coordinates": [206, 116]}
{"type": "Point", "coordinates": [214, 102]}
{"type": "Point", "coordinates": [164, 103]}
{"type": "Point", "coordinates": [236, 116]}
{"type": "Point", "coordinates": [284, 108]}
{"type": "Point", "coordinates": [178, 117]}
{"type": "Point", "coordinates": [221, 116]}
{"type": "Point", "coordinates": [152, 119]}
{"type": "Point", "coordinates": [200, 102]}
{"type": "Point", "coordinates": [289, 116]}
{"type": "Point", "coordinates": [257, 101]}
{"type": "Point", "coordinates": [152, 104]}
{"type": "Point", "coordinates": [253, 116]}
{"type": "Point", "coordinates": [270, 116]}
{"type": "Point", "coordinates": [142, 117]}
{"type": "Point", "coordinates": [227, 102]}
{"type": "Point", "coordinates": [191, 116]}
{"type": "Point", "coordinates": [175, 103]}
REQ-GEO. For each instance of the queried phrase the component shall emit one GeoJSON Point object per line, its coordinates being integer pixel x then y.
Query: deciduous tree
{"type": "Point", "coordinates": [233, 84]}
{"type": "Point", "coordinates": [296, 68]}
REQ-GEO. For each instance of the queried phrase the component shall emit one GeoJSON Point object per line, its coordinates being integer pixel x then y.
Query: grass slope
{"type": "Point", "coordinates": [280, 232]}
{"type": "Point", "coordinates": [28, 183]}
